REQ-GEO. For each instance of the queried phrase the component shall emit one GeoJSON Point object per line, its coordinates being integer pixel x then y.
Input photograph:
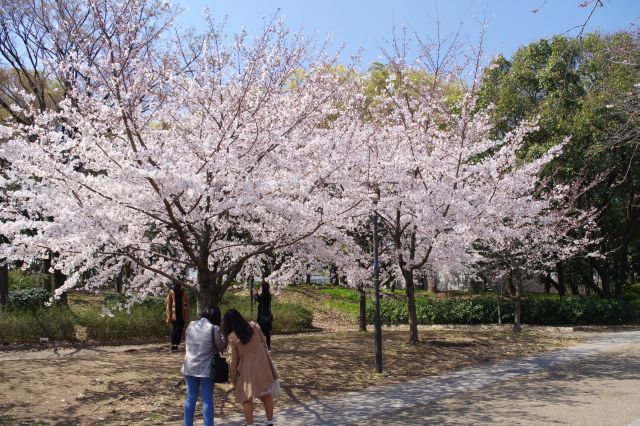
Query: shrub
{"type": "Point", "coordinates": [28, 298]}
{"type": "Point", "coordinates": [110, 300]}
{"type": "Point", "coordinates": [28, 326]}
{"type": "Point", "coordinates": [632, 294]}
{"type": "Point", "coordinates": [536, 309]}
{"type": "Point", "coordinates": [158, 303]}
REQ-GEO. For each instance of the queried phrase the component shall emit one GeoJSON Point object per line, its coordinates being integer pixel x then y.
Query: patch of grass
{"type": "Point", "coordinates": [81, 302]}
{"type": "Point", "coordinates": [348, 307]}
{"type": "Point", "coordinates": [291, 318]}
{"type": "Point", "coordinates": [19, 279]}
{"type": "Point", "coordinates": [341, 293]}
{"type": "Point", "coordinates": [141, 321]}
{"type": "Point", "coordinates": [287, 317]}
{"type": "Point", "coordinates": [147, 319]}
{"type": "Point", "coordinates": [342, 299]}
{"type": "Point", "coordinates": [155, 419]}
{"type": "Point", "coordinates": [56, 323]}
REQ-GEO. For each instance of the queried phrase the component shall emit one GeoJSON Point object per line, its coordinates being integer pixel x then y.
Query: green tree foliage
{"type": "Point", "coordinates": [585, 89]}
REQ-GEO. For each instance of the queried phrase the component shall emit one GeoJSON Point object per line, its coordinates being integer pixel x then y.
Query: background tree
{"type": "Point", "coordinates": [585, 89]}
{"type": "Point", "coordinates": [33, 33]}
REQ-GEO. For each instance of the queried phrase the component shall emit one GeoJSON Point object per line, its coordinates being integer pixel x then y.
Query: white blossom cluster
{"type": "Point", "coordinates": [192, 160]}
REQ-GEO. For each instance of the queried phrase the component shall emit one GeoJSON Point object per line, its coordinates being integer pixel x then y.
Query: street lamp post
{"type": "Point", "coordinates": [250, 280]}
{"type": "Point", "coordinates": [376, 281]}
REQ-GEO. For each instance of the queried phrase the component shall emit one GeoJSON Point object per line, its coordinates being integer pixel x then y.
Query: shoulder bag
{"type": "Point", "coordinates": [219, 365]}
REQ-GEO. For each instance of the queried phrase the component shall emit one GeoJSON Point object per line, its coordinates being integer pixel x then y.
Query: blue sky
{"type": "Point", "coordinates": [369, 24]}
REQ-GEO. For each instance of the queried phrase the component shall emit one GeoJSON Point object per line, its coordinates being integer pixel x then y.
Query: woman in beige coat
{"type": "Point", "coordinates": [250, 368]}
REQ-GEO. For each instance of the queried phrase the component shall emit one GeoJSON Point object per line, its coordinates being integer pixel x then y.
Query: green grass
{"type": "Point", "coordinates": [139, 322]}
{"type": "Point", "coordinates": [287, 317]}
{"type": "Point", "coordinates": [19, 279]}
{"type": "Point", "coordinates": [342, 299]}
{"type": "Point", "coordinates": [341, 293]}
{"type": "Point", "coordinates": [56, 323]}
{"type": "Point", "coordinates": [347, 300]}
{"type": "Point", "coordinates": [145, 320]}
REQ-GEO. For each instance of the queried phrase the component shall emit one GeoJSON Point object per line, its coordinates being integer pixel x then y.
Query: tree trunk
{"type": "Point", "coordinates": [573, 285]}
{"type": "Point", "coordinates": [118, 281]}
{"type": "Point", "coordinates": [432, 283]}
{"type": "Point", "coordinates": [363, 308]}
{"type": "Point", "coordinates": [252, 292]}
{"type": "Point", "coordinates": [586, 272]}
{"type": "Point", "coordinates": [621, 270]}
{"type": "Point", "coordinates": [58, 280]}
{"type": "Point", "coordinates": [4, 285]}
{"type": "Point", "coordinates": [509, 288]}
{"type": "Point", "coordinates": [423, 282]}
{"type": "Point", "coordinates": [207, 293]}
{"type": "Point", "coordinates": [517, 297]}
{"type": "Point", "coordinates": [605, 278]}
{"type": "Point", "coordinates": [549, 282]}
{"type": "Point", "coordinates": [333, 275]}
{"type": "Point", "coordinates": [562, 286]}
{"type": "Point", "coordinates": [4, 278]}
{"type": "Point", "coordinates": [498, 304]}
{"type": "Point", "coordinates": [411, 306]}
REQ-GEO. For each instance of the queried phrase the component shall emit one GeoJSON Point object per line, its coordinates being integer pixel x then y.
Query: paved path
{"type": "Point", "coordinates": [594, 383]}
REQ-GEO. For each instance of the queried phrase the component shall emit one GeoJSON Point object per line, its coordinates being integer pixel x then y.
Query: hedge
{"type": "Point", "coordinates": [536, 310]}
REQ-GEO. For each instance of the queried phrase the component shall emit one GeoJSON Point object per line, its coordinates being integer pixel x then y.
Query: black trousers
{"type": "Point", "coordinates": [176, 334]}
{"type": "Point", "coordinates": [266, 330]}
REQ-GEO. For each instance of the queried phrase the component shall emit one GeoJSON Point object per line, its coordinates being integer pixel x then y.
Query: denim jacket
{"type": "Point", "coordinates": [200, 335]}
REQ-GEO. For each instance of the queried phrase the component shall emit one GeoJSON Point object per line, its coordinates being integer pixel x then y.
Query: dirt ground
{"type": "Point", "coordinates": [143, 386]}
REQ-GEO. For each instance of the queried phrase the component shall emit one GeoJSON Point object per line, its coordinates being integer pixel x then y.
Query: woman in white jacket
{"type": "Point", "coordinates": [201, 336]}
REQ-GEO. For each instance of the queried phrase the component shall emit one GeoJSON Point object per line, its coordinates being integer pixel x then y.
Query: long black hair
{"type": "Point", "coordinates": [235, 322]}
{"type": "Point", "coordinates": [213, 314]}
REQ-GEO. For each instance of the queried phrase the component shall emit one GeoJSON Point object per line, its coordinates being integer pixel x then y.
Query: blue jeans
{"type": "Point", "coordinates": [193, 385]}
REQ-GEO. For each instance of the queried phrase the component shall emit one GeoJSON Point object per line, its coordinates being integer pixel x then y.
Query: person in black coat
{"type": "Point", "coordinates": [177, 313]}
{"type": "Point", "coordinates": [265, 319]}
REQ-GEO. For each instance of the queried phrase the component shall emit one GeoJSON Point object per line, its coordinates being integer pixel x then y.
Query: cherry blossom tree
{"type": "Point", "coordinates": [439, 182]}
{"type": "Point", "coordinates": [182, 156]}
